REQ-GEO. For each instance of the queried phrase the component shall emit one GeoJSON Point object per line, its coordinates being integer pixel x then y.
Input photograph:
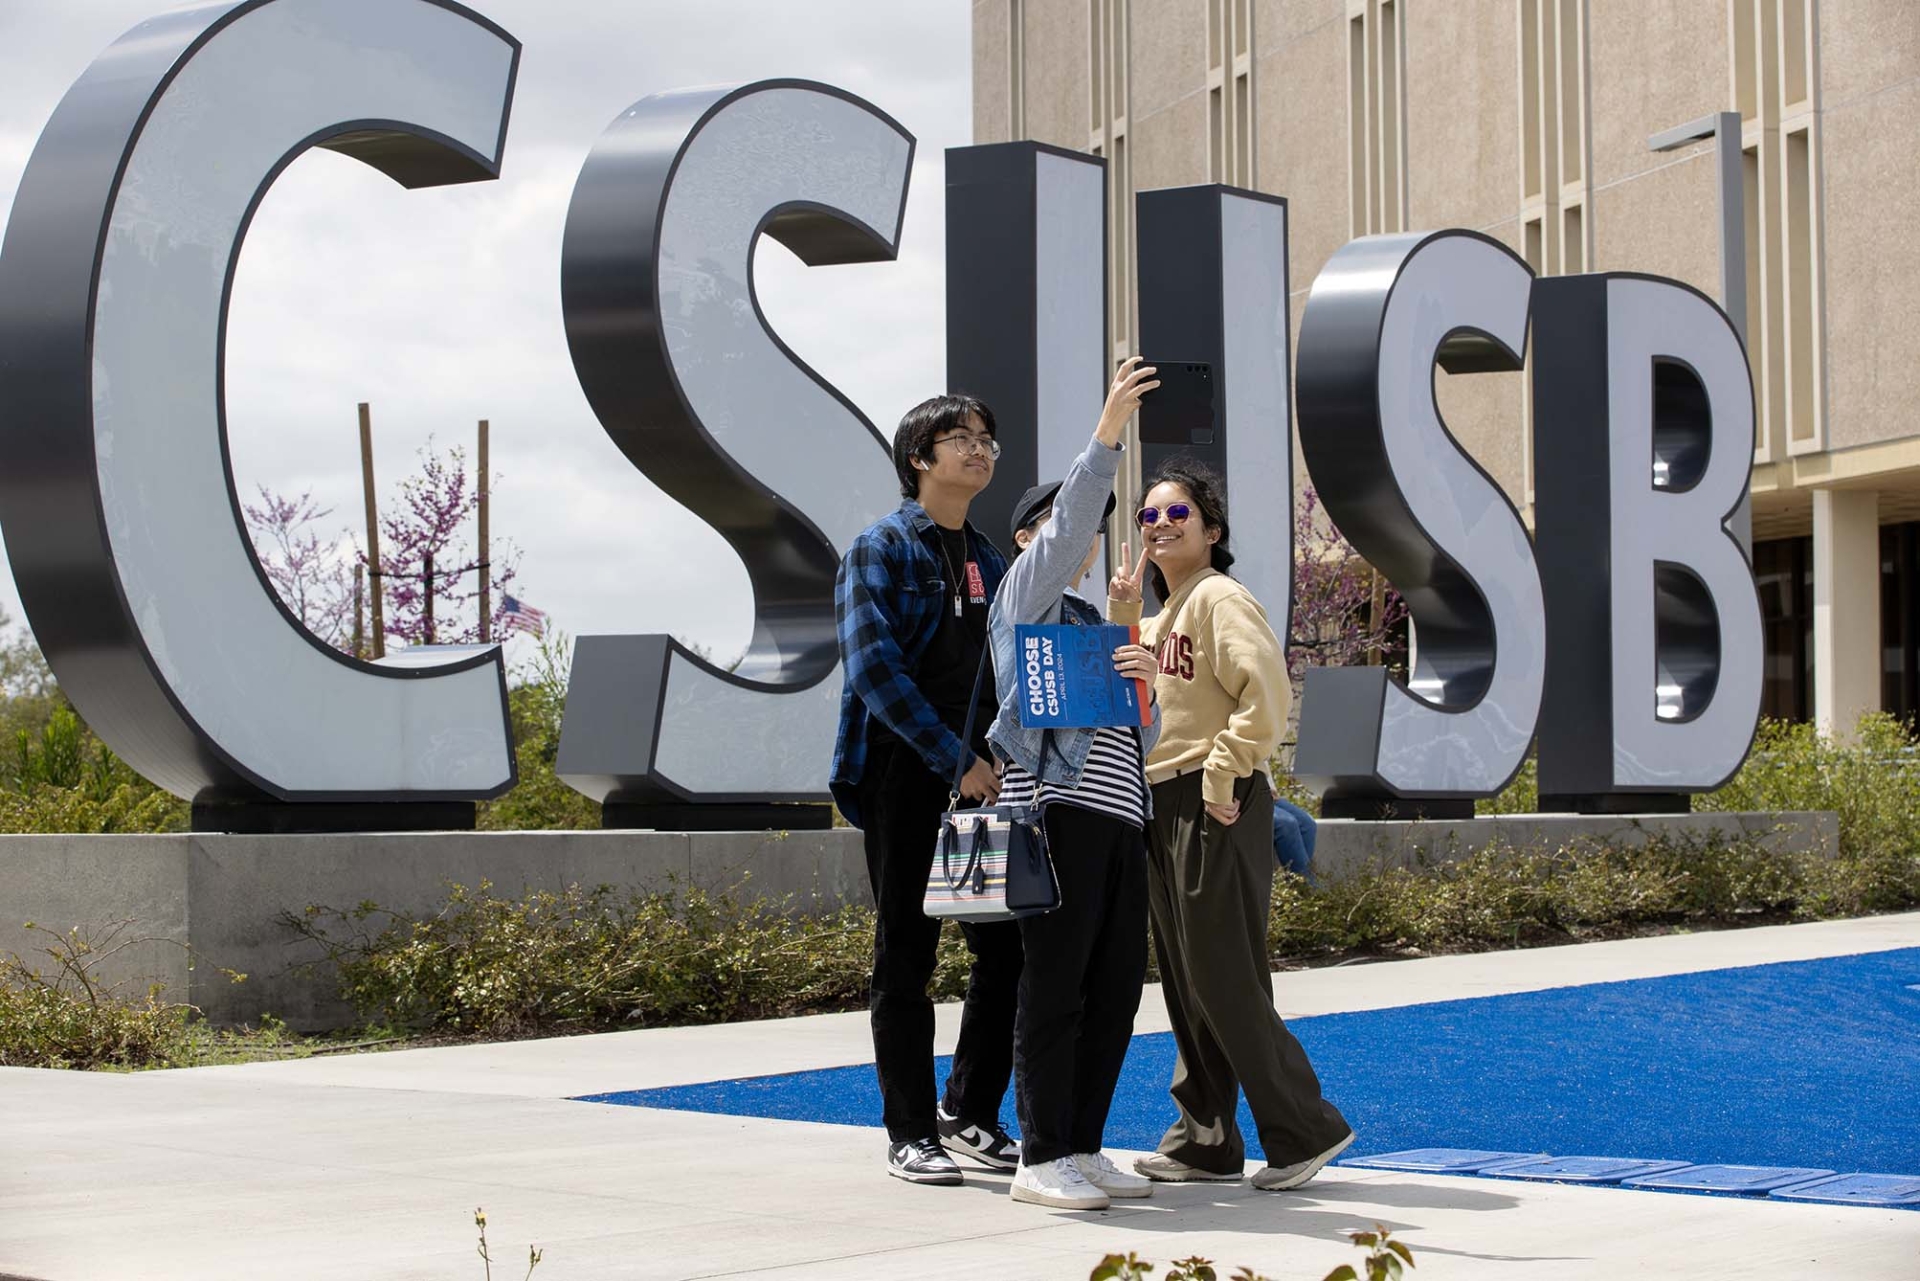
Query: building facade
{"type": "Point", "coordinates": [1531, 121]}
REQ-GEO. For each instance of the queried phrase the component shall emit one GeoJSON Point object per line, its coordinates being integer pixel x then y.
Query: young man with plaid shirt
{"type": "Point", "coordinates": [912, 599]}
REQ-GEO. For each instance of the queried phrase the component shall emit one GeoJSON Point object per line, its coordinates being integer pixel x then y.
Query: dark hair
{"type": "Point", "coordinates": [935, 416]}
{"type": "Point", "coordinates": [1208, 490]}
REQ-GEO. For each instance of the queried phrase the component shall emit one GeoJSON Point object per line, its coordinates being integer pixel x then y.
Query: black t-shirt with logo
{"type": "Point", "coordinates": [951, 660]}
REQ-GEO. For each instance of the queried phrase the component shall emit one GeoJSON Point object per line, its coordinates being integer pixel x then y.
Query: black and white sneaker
{"type": "Point", "coordinates": [990, 1145]}
{"type": "Point", "coordinates": [921, 1161]}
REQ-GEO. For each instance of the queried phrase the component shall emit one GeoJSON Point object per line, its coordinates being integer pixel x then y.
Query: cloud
{"type": "Point", "coordinates": [442, 307]}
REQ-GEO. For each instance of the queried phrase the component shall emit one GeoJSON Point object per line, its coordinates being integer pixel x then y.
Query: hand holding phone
{"type": "Point", "coordinates": [1133, 381]}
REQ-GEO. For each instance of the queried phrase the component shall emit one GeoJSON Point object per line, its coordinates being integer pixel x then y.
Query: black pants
{"type": "Point", "coordinates": [902, 801]}
{"type": "Point", "coordinates": [1086, 961]}
{"type": "Point", "coordinates": [1211, 889]}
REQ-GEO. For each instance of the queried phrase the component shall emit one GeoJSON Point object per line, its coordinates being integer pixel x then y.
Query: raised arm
{"type": "Point", "coordinates": [1037, 577]}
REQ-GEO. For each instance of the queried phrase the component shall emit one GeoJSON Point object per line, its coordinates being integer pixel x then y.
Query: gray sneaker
{"type": "Point", "coordinates": [1164, 1169]}
{"type": "Point", "coordinates": [922, 1161]}
{"type": "Point", "coordinates": [1281, 1178]}
{"type": "Point", "coordinates": [990, 1145]}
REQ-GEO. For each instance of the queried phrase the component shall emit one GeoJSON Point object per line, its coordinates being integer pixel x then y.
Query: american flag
{"type": "Point", "coordinates": [516, 613]}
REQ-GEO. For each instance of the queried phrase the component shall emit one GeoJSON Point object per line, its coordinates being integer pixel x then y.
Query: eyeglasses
{"type": "Point", "coordinates": [1177, 514]}
{"type": "Point", "coordinates": [966, 444]}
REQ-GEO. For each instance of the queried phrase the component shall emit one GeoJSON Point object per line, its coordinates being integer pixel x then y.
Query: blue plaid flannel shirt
{"type": "Point", "coordinates": [887, 599]}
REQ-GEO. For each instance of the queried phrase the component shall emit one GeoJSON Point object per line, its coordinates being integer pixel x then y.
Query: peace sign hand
{"type": "Point", "coordinates": [1125, 584]}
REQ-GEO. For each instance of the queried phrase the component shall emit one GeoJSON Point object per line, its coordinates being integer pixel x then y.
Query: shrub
{"type": "Point", "coordinates": [1871, 780]}
{"type": "Point", "coordinates": [69, 1018]}
{"type": "Point", "coordinates": [540, 800]}
{"type": "Point", "coordinates": [126, 807]}
{"type": "Point", "coordinates": [594, 958]}
{"type": "Point", "coordinates": [1498, 897]}
{"type": "Point", "coordinates": [62, 778]}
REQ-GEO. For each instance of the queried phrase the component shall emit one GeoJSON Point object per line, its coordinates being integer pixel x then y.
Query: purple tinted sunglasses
{"type": "Point", "coordinates": [1177, 514]}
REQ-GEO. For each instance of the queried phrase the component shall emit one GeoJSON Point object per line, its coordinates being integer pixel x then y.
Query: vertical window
{"type": "Point", "coordinates": [1802, 287]}
{"type": "Point", "coordinates": [1900, 619]}
{"type": "Point", "coordinates": [1017, 69]}
{"type": "Point", "coordinates": [1796, 40]}
{"type": "Point", "coordinates": [1783, 574]}
{"type": "Point", "coordinates": [1775, 87]}
{"type": "Point", "coordinates": [1376, 114]}
{"type": "Point", "coordinates": [1108, 21]}
{"type": "Point", "coordinates": [1230, 149]}
{"type": "Point", "coordinates": [1555, 231]}
{"type": "Point", "coordinates": [1359, 125]}
{"type": "Point", "coordinates": [1573, 240]}
{"type": "Point", "coordinates": [1096, 67]}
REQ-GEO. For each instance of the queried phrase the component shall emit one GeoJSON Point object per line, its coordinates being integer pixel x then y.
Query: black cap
{"type": "Point", "coordinates": [1038, 501]}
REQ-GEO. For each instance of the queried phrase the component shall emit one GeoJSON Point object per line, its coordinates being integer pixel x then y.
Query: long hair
{"type": "Point", "coordinates": [1207, 491]}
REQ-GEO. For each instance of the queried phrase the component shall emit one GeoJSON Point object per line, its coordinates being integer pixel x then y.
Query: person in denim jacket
{"type": "Point", "coordinates": [911, 601]}
{"type": "Point", "coordinates": [1085, 960]}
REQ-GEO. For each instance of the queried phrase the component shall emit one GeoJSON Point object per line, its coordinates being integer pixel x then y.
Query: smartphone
{"type": "Point", "coordinates": [1180, 410]}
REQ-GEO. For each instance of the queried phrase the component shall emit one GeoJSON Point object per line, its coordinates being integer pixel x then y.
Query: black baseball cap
{"type": "Point", "coordinates": [1038, 501]}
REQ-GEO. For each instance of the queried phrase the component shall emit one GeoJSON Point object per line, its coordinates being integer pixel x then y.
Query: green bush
{"type": "Point", "coordinates": [594, 958]}
{"type": "Point", "coordinates": [1871, 780]}
{"type": "Point", "coordinates": [65, 1016]}
{"type": "Point", "coordinates": [62, 778]}
{"type": "Point", "coordinates": [539, 800]}
{"type": "Point", "coordinates": [42, 1026]}
{"type": "Point", "coordinates": [1499, 897]}
{"type": "Point", "coordinates": [1521, 796]}
{"type": "Point", "coordinates": [126, 807]}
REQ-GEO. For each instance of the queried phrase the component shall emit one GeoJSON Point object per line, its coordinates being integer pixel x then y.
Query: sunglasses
{"type": "Point", "coordinates": [1177, 514]}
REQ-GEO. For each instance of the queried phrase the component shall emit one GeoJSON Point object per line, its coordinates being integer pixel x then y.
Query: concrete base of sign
{"type": "Point", "coordinates": [202, 903]}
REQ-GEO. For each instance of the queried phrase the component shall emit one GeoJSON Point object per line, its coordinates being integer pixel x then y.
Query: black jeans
{"type": "Point", "coordinates": [1086, 961]}
{"type": "Point", "coordinates": [902, 801]}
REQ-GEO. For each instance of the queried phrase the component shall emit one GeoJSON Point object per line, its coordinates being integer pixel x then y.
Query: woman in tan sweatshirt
{"type": "Point", "coordinates": [1223, 696]}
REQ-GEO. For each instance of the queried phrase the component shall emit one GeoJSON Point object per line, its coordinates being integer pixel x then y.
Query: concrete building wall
{"type": "Point", "coordinates": [1869, 53]}
{"type": "Point", "coordinates": [1529, 120]}
{"type": "Point", "coordinates": [1056, 89]}
{"type": "Point", "coordinates": [991, 105]}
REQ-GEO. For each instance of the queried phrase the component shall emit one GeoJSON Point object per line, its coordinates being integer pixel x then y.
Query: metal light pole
{"type": "Point", "coordinates": [1724, 128]}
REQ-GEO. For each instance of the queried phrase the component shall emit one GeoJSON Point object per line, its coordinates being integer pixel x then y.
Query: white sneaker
{"type": "Point", "coordinates": [1058, 1184]}
{"type": "Point", "coordinates": [1110, 1178]}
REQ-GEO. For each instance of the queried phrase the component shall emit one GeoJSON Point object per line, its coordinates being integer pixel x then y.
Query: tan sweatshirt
{"type": "Point", "coordinates": [1223, 686]}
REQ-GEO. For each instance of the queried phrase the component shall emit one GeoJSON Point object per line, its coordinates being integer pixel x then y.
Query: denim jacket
{"type": "Point", "coordinates": [1036, 589]}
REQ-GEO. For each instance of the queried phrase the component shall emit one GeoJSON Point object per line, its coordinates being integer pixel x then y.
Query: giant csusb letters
{"type": "Point", "coordinates": [1627, 629]}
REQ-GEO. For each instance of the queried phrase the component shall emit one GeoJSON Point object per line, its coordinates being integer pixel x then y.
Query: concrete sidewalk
{"type": "Point", "coordinates": [371, 1166]}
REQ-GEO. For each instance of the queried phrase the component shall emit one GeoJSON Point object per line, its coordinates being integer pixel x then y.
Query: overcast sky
{"type": "Point", "coordinates": [442, 307]}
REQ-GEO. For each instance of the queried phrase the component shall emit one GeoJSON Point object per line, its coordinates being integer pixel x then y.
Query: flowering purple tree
{"type": "Point", "coordinates": [438, 507]}
{"type": "Point", "coordinates": [313, 577]}
{"type": "Point", "coordinates": [1344, 613]}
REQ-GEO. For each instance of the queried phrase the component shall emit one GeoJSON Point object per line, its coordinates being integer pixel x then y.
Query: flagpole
{"type": "Point", "coordinates": [486, 570]}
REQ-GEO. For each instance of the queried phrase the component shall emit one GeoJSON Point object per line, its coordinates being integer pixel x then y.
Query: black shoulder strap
{"type": "Point", "coordinates": [966, 735]}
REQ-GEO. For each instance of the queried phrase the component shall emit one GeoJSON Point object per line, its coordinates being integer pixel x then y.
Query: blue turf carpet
{"type": "Point", "coordinates": [1810, 1063]}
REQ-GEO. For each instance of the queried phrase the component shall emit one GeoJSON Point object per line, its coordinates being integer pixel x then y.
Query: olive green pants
{"type": "Point", "coordinates": [1210, 888]}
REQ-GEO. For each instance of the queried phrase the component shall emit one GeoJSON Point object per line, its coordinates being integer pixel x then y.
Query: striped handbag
{"type": "Point", "coordinates": [991, 863]}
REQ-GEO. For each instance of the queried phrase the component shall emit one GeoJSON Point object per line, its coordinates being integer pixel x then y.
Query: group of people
{"type": "Point", "coordinates": [1171, 824]}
